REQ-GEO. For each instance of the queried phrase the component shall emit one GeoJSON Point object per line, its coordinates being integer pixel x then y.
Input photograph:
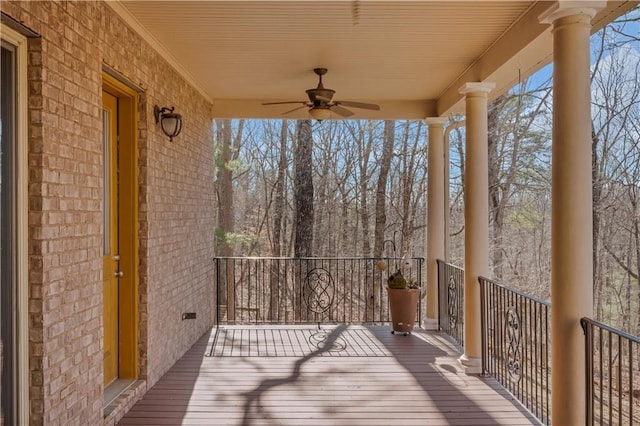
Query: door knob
{"type": "Point", "coordinates": [118, 274]}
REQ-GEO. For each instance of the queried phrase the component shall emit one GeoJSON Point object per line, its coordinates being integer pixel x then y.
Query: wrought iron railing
{"type": "Point", "coordinates": [267, 290]}
{"type": "Point", "coordinates": [612, 375]}
{"type": "Point", "coordinates": [515, 327]}
{"type": "Point", "coordinates": [516, 344]}
{"type": "Point", "coordinates": [451, 300]}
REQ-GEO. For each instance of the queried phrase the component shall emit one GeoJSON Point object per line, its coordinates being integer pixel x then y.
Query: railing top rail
{"type": "Point", "coordinates": [585, 320]}
{"type": "Point", "coordinates": [449, 264]}
{"type": "Point", "coordinates": [312, 258]}
{"type": "Point", "coordinates": [513, 290]}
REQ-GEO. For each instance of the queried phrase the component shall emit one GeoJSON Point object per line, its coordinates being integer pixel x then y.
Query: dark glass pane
{"type": "Point", "coordinates": [7, 233]}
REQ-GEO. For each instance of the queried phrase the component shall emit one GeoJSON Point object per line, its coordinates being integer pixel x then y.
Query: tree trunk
{"type": "Point", "coordinates": [636, 244]}
{"type": "Point", "coordinates": [278, 212]}
{"type": "Point", "coordinates": [344, 222]}
{"type": "Point", "coordinates": [224, 190]}
{"type": "Point", "coordinates": [373, 294]}
{"type": "Point", "coordinates": [496, 216]}
{"type": "Point", "coordinates": [278, 208]}
{"type": "Point", "coordinates": [322, 211]}
{"type": "Point", "coordinates": [224, 243]}
{"type": "Point", "coordinates": [365, 154]}
{"type": "Point", "coordinates": [408, 189]}
{"type": "Point", "coordinates": [381, 189]}
{"type": "Point", "coordinates": [303, 188]}
{"type": "Point", "coordinates": [597, 221]}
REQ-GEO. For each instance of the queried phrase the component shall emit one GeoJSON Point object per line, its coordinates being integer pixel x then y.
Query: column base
{"type": "Point", "coordinates": [430, 324]}
{"type": "Point", "coordinates": [471, 366]}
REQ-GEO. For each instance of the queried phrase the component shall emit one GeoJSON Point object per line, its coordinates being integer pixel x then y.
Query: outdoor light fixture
{"type": "Point", "coordinates": [320, 113]}
{"type": "Point", "coordinates": [170, 122]}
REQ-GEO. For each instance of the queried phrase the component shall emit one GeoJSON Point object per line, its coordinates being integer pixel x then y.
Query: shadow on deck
{"type": "Point", "coordinates": [259, 375]}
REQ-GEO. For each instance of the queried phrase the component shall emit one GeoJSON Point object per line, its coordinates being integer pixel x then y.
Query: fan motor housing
{"type": "Point", "coordinates": [314, 94]}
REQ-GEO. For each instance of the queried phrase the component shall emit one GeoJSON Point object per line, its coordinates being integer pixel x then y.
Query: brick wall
{"type": "Point", "coordinates": [65, 196]}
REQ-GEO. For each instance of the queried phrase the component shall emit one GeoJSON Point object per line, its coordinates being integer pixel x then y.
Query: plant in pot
{"type": "Point", "coordinates": [403, 302]}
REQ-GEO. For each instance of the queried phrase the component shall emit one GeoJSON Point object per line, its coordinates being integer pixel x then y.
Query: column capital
{"type": "Point", "coordinates": [435, 121]}
{"type": "Point", "coordinates": [563, 8]}
{"type": "Point", "coordinates": [468, 88]}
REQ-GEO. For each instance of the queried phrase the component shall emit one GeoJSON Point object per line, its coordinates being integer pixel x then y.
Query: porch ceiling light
{"type": "Point", "coordinates": [320, 113]}
{"type": "Point", "coordinates": [170, 122]}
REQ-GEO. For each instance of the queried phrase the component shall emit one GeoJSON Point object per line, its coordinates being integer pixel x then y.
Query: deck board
{"type": "Point", "coordinates": [277, 376]}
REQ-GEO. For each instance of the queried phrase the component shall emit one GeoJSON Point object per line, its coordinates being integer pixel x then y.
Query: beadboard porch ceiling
{"type": "Point", "coordinates": [411, 57]}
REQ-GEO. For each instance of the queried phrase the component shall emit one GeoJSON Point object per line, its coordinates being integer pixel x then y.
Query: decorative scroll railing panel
{"type": "Point", "coordinates": [263, 290]}
{"type": "Point", "coordinates": [516, 344]}
{"type": "Point", "coordinates": [451, 300]}
{"type": "Point", "coordinates": [613, 375]}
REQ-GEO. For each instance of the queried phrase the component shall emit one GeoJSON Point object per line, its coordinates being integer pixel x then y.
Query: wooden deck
{"type": "Point", "coordinates": [357, 376]}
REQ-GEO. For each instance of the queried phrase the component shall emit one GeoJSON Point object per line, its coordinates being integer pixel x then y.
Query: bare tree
{"type": "Point", "coordinates": [365, 150]}
{"type": "Point", "coordinates": [304, 208]}
{"type": "Point", "coordinates": [224, 190]}
{"type": "Point", "coordinates": [412, 158]}
{"type": "Point", "coordinates": [303, 162]}
{"type": "Point", "coordinates": [381, 188]}
{"type": "Point", "coordinates": [515, 171]}
{"type": "Point", "coordinates": [279, 204]}
{"type": "Point", "coordinates": [615, 154]}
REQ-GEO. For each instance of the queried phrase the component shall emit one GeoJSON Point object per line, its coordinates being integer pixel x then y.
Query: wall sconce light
{"type": "Point", "coordinates": [170, 122]}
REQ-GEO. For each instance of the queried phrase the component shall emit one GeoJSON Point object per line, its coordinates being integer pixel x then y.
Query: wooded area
{"type": "Point", "coordinates": [358, 188]}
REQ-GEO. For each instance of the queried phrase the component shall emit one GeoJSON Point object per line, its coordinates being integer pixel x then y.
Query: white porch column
{"type": "Point", "coordinates": [476, 219]}
{"type": "Point", "coordinates": [571, 209]}
{"type": "Point", "coordinates": [435, 216]}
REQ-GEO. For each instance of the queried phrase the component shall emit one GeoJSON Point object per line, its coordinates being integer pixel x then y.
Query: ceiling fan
{"type": "Point", "coordinates": [321, 102]}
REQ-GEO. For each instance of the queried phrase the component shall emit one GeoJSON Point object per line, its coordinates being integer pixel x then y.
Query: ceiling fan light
{"type": "Point", "coordinates": [319, 113]}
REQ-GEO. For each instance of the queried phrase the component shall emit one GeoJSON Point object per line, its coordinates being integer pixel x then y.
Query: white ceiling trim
{"type": "Point", "coordinates": [521, 43]}
{"type": "Point", "coordinates": [156, 45]}
{"type": "Point", "coordinates": [487, 51]}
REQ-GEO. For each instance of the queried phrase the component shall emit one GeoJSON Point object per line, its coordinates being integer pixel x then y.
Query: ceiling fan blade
{"type": "Point", "coordinates": [343, 112]}
{"type": "Point", "coordinates": [295, 109]}
{"type": "Point", "coordinates": [283, 103]}
{"type": "Point", "coordinates": [359, 105]}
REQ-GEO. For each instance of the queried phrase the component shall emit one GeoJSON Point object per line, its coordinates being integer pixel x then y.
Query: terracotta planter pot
{"type": "Point", "coordinates": [403, 304]}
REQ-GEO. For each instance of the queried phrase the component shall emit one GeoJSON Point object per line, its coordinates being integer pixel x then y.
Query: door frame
{"type": "Point", "coordinates": [21, 175]}
{"type": "Point", "coordinates": [128, 229]}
